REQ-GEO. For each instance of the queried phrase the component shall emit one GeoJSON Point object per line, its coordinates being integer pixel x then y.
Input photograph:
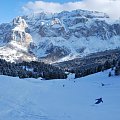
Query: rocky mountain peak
{"type": "Point", "coordinates": [19, 33]}
{"type": "Point", "coordinates": [19, 23]}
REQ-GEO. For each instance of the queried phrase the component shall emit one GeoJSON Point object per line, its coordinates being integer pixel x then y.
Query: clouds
{"type": "Point", "coordinates": [39, 6]}
{"type": "Point", "coordinates": [112, 7]}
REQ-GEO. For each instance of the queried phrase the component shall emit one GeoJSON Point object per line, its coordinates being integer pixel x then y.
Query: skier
{"type": "Point", "coordinates": [99, 100]}
{"type": "Point", "coordinates": [102, 84]}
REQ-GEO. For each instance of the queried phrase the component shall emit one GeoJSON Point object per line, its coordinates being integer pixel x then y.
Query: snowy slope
{"type": "Point", "coordinates": [33, 99]}
{"type": "Point", "coordinates": [14, 52]}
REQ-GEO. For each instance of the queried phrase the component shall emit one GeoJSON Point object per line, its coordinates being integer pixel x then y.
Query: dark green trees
{"type": "Point", "coordinates": [31, 70]}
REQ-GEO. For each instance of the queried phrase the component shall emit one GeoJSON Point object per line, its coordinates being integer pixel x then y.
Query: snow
{"type": "Point", "coordinates": [36, 99]}
{"type": "Point", "coordinates": [20, 24]}
{"type": "Point", "coordinates": [9, 54]}
{"type": "Point", "coordinates": [89, 45]}
{"type": "Point", "coordinates": [18, 29]}
{"type": "Point", "coordinates": [66, 58]}
{"type": "Point", "coordinates": [93, 44]}
{"type": "Point", "coordinates": [27, 68]}
{"type": "Point", "coordinates": [18, 46]}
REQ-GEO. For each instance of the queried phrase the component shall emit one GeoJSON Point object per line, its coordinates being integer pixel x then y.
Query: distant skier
{"type": "Point", "coordinates": [99, 100]}
{"type": "Point", "coordinates": [102, 84]}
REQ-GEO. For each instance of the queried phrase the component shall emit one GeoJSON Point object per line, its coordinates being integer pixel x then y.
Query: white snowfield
{"type": "Point", "coordinates": [70, 99]}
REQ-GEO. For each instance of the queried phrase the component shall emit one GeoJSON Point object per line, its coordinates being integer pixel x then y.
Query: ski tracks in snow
{"type": "Point", "coordinates": [25, 111]}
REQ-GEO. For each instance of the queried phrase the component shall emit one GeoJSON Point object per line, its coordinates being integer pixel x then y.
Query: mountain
{"type": "Point", "coordinates": [58, 37]}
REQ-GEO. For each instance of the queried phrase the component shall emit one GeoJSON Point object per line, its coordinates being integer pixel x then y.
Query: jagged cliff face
{"type": "Point", "coordinates": [19, 32]}
{"type": "Point", "coordinates": [15, 31]}
{"type": "Point", "coordinates": [63, 36]}
{"type": "Point", "coordinates": [15, 41]}
{"type": "Point", "coordinates": [76, 23]}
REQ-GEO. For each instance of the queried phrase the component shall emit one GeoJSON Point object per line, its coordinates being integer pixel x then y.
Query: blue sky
{"type": "Point", "coordinates": [9, 9]}
{"type": "Point", "coordinates": [12, 8]}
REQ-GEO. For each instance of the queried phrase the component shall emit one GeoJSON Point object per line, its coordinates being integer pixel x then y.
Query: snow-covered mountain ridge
{"type": "Point", "coordinates": [63, 36]}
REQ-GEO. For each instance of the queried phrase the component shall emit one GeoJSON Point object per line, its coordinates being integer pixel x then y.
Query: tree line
{"type": "Point", "coordinates": [93, 68]}
{"type": "Point", "coordinates": [32, 69]}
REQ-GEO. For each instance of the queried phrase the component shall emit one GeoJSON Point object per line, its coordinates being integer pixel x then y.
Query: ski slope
{"type": "Point", "coordinates": [70, 99]}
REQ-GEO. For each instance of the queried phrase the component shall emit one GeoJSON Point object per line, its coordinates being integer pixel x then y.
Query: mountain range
{"type": "Point", "coordinates": [58, 37]}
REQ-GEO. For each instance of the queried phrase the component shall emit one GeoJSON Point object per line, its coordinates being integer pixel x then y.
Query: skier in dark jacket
{"type": "Point", "coordinates": [99, 100]}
